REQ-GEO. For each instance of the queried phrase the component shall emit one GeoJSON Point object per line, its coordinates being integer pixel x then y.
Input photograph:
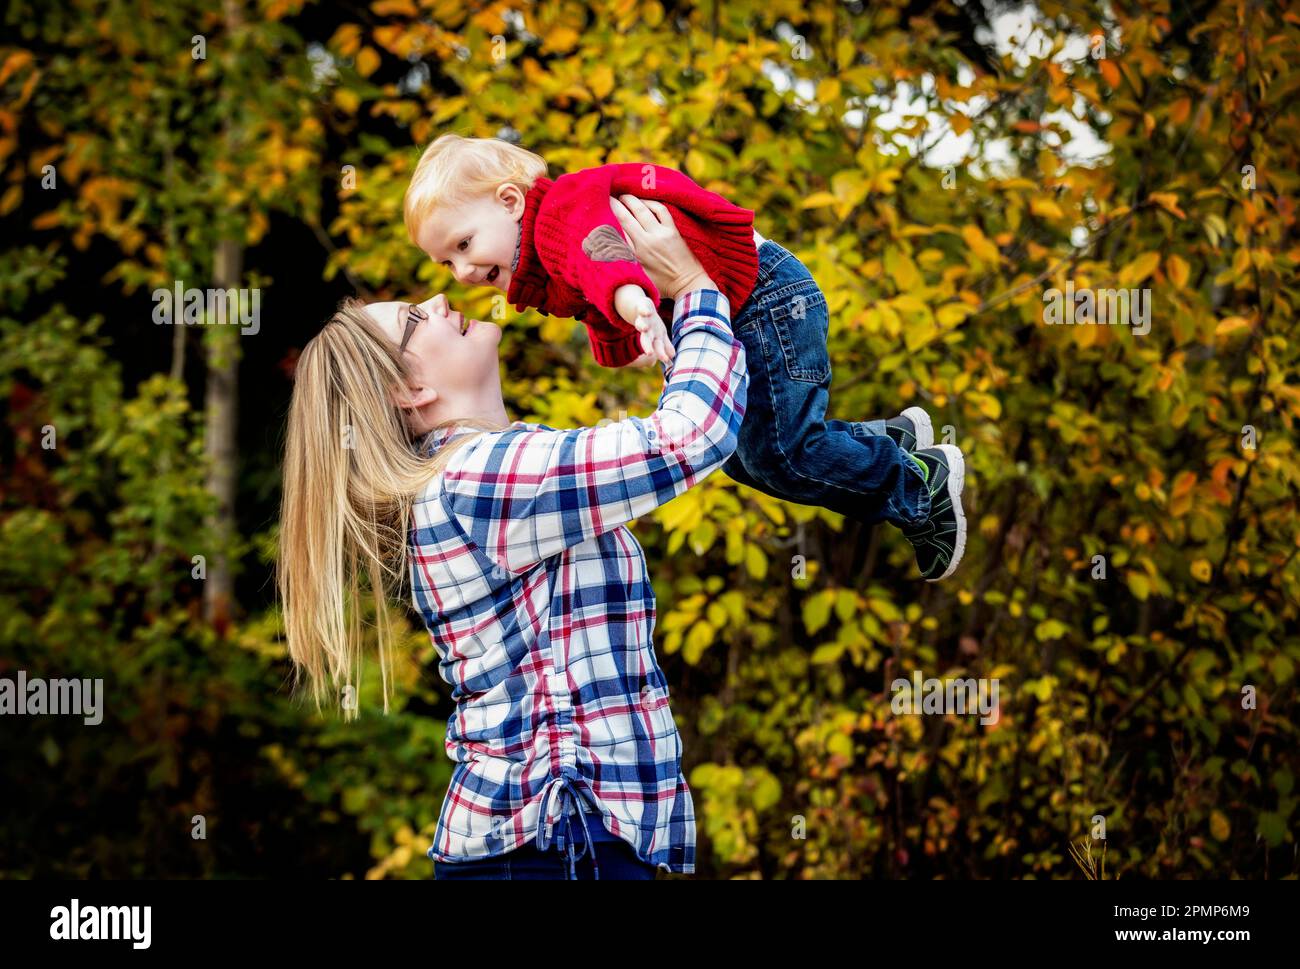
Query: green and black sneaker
{"type": "Point", "coordinates": [911, 430]}
{"type": "Point", "coordinates": [940, 540]}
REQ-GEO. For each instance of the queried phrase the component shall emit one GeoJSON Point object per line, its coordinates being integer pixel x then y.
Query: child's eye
{"type": "Point", "coordinates": [463, 243]}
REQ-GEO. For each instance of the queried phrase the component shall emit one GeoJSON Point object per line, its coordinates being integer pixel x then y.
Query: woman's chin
{"type": "Point", "coordinates": [484, 325]}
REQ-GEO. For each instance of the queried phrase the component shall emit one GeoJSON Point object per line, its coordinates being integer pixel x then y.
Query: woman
{"type": "Point", "coordinates": [400, 453]}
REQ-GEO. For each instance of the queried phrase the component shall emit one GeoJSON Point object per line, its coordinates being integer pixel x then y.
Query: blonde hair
{"type": "Point", "coordinates": [455, 169]}
{"type": "Point", "coordinates": [352, 471]}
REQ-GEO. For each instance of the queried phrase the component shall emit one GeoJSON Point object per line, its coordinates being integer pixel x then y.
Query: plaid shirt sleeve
{"type": "Point", "coordinates": [524, 495]}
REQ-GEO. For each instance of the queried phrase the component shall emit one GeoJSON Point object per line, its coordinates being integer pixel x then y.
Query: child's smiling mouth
{"type": "Point", "coordinates": [492, 276]}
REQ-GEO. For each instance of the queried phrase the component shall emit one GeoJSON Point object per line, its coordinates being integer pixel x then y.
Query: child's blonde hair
{"type": "Point", "coordinates": [456, 169]}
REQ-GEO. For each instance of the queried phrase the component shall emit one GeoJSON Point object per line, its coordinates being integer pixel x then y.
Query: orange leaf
{"type": "Point", "coordinates": [1183, 483]}
{"type": "Point", "coordinates": [1169, 202]}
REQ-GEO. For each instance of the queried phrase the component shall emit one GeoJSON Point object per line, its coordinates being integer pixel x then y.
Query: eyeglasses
{"type": "Point", "coordinates": [414, 315]}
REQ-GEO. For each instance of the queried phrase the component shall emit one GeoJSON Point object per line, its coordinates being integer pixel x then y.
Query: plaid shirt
{"type": "Point", "coordinates": [537, 601]}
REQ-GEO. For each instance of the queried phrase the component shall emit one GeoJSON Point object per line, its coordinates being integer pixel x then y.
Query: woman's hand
{"type": "Point", "coordinates": [658, 246]}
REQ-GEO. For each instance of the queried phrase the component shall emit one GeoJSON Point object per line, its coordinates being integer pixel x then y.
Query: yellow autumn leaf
{"type": "Point", "coordinates": [818, 199]}
{"type": "Point", "coordinates": [909, 304]}
{"type": "Point", "coordinates": [1201, 570]}
{"type": "Point", "coordinates": [917, 333]}
{"type": "Point", "coordinates": [988, 405]}
{"type": "Point", "coordinates": [902, 269]}
{"type": "Point", "coordinates": [951, 314]}
{"type": "Point", "coordinates": [979, 244]}
{"type": "Point", "coordinates": [1045, 208]}
{"type": "Point", "coordinates": [885, 179]}
{"type": "Point", "coordinates": [367, 61]}
{"type": "Point", "coordinates": [602, 81]}
{"type": "Point", "coordinates": [1220, 829]}
{"type": "Point", "coordinates": [347, 100]}
{"type": "Point", "coordinates": [1230, 324]}
{"type": "Point", "coordinates": [561, 40]}
{"type": "Point", "coordinates": [828, 90]}
{"type": "Point", "coordinates": [346, 39]}
{"type": "Point", "coordinates": [1178, 270]}
{"type": "Point", "coordinates": [1169, 202]}
{"type": "Point", "coordinates": [1139, 269]}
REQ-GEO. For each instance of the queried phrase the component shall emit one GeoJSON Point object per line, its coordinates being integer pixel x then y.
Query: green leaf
{"type": "Point", "coordinates": [1050, 629]}
{"type": "Point", "coordinates": [817, 611]}
{"type": "Point", "coordinates": [827, 653]}
{"type": "Point", "coordinates": [1272, 826]}
{"type": "Point", "coordinates": [1138, 584]}
{"type": "Point", "coordinates": [767, 792]}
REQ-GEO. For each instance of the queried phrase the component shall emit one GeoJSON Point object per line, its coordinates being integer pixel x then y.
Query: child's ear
{"type": "Point", "coordinates": [512, 198]}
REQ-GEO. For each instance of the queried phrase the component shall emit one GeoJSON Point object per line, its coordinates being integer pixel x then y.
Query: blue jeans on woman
{"type": "Point", "coordinates": [615, 857]}
{"type": "Point", "coordinates": [787, 448]}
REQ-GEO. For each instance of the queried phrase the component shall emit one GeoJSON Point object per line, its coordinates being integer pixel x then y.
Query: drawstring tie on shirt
{"type": "Point", "coordinates": [567, 786]}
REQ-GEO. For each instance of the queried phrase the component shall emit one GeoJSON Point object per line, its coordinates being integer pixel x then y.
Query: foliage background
{"type": "Point", "coordinates": [1121, 696]}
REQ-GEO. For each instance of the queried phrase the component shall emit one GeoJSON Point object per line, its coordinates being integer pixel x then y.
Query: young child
{"type": "Point", "coordinates": [486, 209]}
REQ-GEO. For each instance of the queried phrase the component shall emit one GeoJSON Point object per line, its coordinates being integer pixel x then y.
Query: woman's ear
{"type": "Point", "coordinates": [412, 397]}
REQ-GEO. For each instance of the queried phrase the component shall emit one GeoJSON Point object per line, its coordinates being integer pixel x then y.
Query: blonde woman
{"type": "Point", "coordinates": [400, 456]}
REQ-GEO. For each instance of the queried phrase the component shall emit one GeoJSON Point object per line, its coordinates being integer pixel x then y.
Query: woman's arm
{"type": "Point", "coordinates": [525, 495]}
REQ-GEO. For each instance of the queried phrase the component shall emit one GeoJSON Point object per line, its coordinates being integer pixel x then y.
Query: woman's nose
{"type": "Point", "coordinates": [438, 306]}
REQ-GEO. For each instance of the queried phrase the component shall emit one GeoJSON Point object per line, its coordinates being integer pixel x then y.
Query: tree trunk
{"type": "Point", "coordinates": [222, 412]}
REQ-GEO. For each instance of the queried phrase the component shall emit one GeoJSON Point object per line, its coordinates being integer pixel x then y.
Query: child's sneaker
{"type": "Point", "coordinates": [940, 540]}
{"type": "Point", "coordinates": [911, 430]}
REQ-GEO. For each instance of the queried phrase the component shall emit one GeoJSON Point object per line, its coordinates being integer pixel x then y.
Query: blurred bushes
{"type": "Point", "coordinates": [97, 540]}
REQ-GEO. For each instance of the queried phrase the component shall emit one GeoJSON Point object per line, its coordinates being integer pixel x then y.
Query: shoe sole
{"type": "Point", "coordinates": [956, 482]}
{"type": "Point", "coordinates": [924, 429]}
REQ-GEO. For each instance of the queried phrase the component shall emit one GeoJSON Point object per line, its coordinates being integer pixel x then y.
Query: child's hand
{"type": "Point", "coordinates": [637, 308]}
{"type": "Point", "coordinates": [655, 340]}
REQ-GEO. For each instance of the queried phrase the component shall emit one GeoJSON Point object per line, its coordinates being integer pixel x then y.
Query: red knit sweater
{"type": "Point", "coordinates": [573, 254]}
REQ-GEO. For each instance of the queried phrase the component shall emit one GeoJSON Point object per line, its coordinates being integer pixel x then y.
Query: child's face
{"type": "Point", "coordinates": [476, 240]}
